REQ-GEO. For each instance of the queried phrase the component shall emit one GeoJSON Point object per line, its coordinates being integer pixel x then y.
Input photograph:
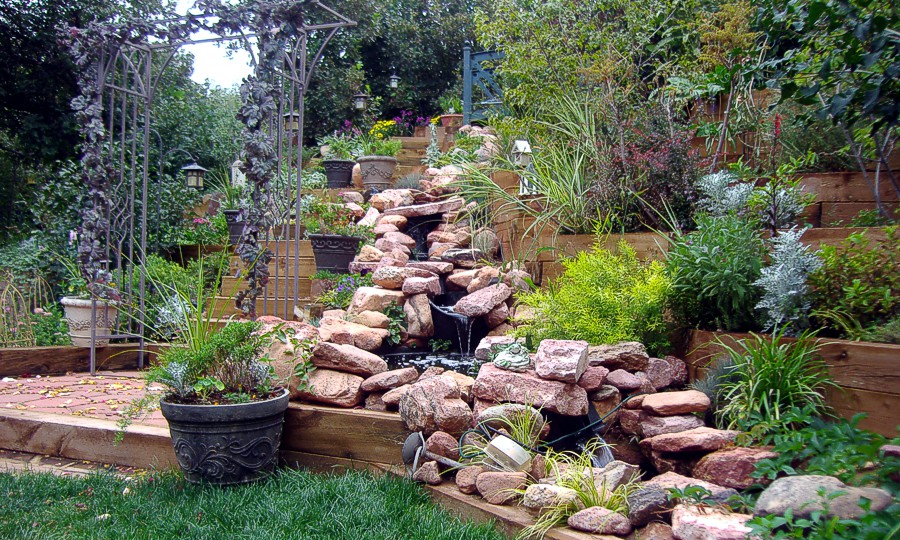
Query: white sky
{"type": "Point", "coordinates": [211, 60]}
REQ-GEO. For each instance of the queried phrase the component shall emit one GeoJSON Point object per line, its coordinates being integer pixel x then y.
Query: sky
{"type": "Point", "coordinates": [211, 60]}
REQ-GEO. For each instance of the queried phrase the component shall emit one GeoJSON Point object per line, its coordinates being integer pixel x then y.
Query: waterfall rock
{"type": "Point", "coordinates": [497, 316]}
{"type": "Point", "coordinates": [372, 319]}
{"type": "Point", "coordinates": [623, 380]}
{"type": "Point", "coordinates": [701, 439]}
{"type": "Point", "coordinates": [419, 322]}
{"type": "Point", "coordinates": [392, 277]}
{"type": "Point", "coordinates": [435, 267]}
{"type": "Point", "coordinates": [460, 279]}
{"type": "Point", "coordinates": [481, 302]}
{"type": "Point", "coordinates": [651, 426]}
{"type": "Point", "coordinates": [593, 378]}
{"type": "Point", "coordinates": [628, 355]}
{"type": "Point", "coordinates": [672, 403]}
{"type": "Point", "coordinates": [429, 209]}
{"type": "Point", "coordinates": [337, 330]}
{"type": "Point", "coordinates": [400, 238]}
{"type": "Point", "coordinates": [368, 220]}
{"type": "Point", "coordinates": [391, 198]}
{"type": "Point", "coordinates": [498, 385]}
{"type": "Point", "coordinates": [334, 388]}
{"type": "Point", "coordinates": [561, 360]}
{"type": "Point", "coordinates": [435, 404]}
{"type": "Point", "coordinates": [374, 299]}
{"type": "Point", "coordinates": [347, 358]}
{"type": "Point", "coordinates": [430, 286]}
{"type": "Point", "coordinates": [369, 254]}
{"type": "Point", "coordinates": [384, 228]}
{"type": "Point", "coordinates": [397, 221]}
{"type": "Point", "coordinates": [732, 467]}
{"type": "Point", "coordinates": [482, 279]}
{"type": "Point", "coordinates": [464, 258]}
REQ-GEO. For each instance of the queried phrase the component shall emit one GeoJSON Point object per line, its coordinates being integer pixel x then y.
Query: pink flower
{"type": "Point", "coordinates": [201, 221]}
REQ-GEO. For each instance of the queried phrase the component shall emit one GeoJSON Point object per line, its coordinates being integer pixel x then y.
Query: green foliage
{"type": "Point", "coordinates": [870, 526]}
{"type": "Point", "coordinates": [602, 297]}
{"type": "Point", "coordinates": [323, 216]}
{"type": "Point", "coordinates": [785, 299]}
{"type": "Point", "coordinates": [440, 345]}
{"type": "Point", "coordinates": [341, 289]}
{"type": "Point", "coordinates": [717, 374]}
{"type": "Point", "coordinates": [768, 378]}
{"type": "Point", "coordinates": [371, 145]}
{"type": "Point", "coordinates": [49, 327]}
{"type": "Point", "coordinates": [713, 270]}
{"type": "Point", "coordinates": [302, 349]}
{"type": "Point", "coordinates": [858, 287]}
{"type": "Point", "coordinates": [396, 324]}
{"type": "Point", "coordinates": [340, 145]}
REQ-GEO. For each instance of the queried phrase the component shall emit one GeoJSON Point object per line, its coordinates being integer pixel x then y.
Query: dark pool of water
{"type": "Point", "coordinates": [424, 360]}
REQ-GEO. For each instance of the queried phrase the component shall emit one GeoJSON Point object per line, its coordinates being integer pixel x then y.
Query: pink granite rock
{"type": "Point", "coordinates": [434, 404]}
{"type": "Point", "coordinates": [435, 267]}
{"type": "Point", "coordinates": [487, 241]}
{"type": "Point", "coordinates": [384, 228]}
{"type": "Point", "coordinates": [391, 398]}
{"type": "Point", "coordinates": [422, 285]}
{"type": "Point", "coordinates": [372, 319]}
{"type": "Point", "coordinates": [400, 238]}
{"type": "Point", "coordinates": [674, 480]}
{"type": "Point", "coordinates": [389, 380]}
{"type": "Point", "coordinates": [672, 403]}
{"type": "Point", "coordinates": [347, 358]}
{"type": "Point", "coordinates": [518, 280]}
{"type": "Point", "coordinates": [732, 467]}
{"type": "Point", "coordinates": [391, 277]}
{"type": "Point", "coordinates": [702, 439]}
{"type": "Point", "coordinates": [630, 420]}
{"type": "Point", "coordinates": [660, 373]}
{"type": "Point", "coordinates": [561, 360]}
{"type": "Point", "coordinates": [396, 221]}
{"type": "Point", "coordinates": [360, 267]}
{"type": "Point", "coordinates": [593, 378]}
{"type": "Point", "coordinates": [481, 302]}
{"type": "Point", "coordinates": [628, 355]}
{"type": "Point", "coordinates": [498, 385]}
{"type": "Point", "coordinates": [374, 402]}
{"type": "Point", "coordinates": [467, 477]}
{"type": "Point", "coordinates": [537, 497]}
{"type": "Point", "coordinates": [388, 246]}
{"type": "Point", "coordinates": [652, 426]}
{"type": "Point", "coordinates": [623, 380]}
{"type": "Point", "coordinates": [369, 254]}
{"type": "Point", "coordinates": [443, 444]}
{"type": "Point", "coordinates": [374, 299]}
{"type": "Point", "coordinates": [437, 250]}
{"type": "Point", "coordinates": [599, 520]}
{"type": "Point", "coordinates": [463, 257]}
{"type": "Point", "coordinates": [482, 279]}
{"type": "Point", "coordinates": [708, 523]}
{"type": "Point", "coordinates": [355, 210]}
{"type": "Point", "coordinates": [679, 370]}
{"type": "Point", "coordinates": [352, 196]}
{"type": "Point", "coordinates": [497, 316]}
{"type": "Point", "coordinates": [349, 333]}
{"type": "Point", "coordinates": [390, 260]}
{"type": "Point", "coordinates": [419, 322]}
{"type": "Point", "coordinates": [428, 473]}
{"type": "Point", "coordinates": [449, 205]}
{"type": "Point", "coordinates": [333, 388]}
{"type": "Point", "coordinates": [368, 220]}
{"type": "Point", "coordinates": [391, 198]}
{"type": "Point", "coordinates": [459, 280]}
{"type": "Point", "coordinates": [499, 487]}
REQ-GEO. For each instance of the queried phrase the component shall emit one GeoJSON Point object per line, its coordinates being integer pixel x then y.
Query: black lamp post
{"type": "Point", "coordinates": [360, 101]}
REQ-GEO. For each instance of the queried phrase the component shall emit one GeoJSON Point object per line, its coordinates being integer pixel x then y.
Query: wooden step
{"type": "Point", "coordinates": [282, 248]}
{"type": "Point", "coordinates": [280, 266]}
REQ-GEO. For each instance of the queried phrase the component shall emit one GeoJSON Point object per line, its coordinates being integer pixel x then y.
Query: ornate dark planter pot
{"type": "Point", "coordinates": [226, 444]}
{"type": "Point", "coordinates": [234, 219]}
{"type": "Point", "coordinates": [338, 171]}
{"type": "Point", "coordinates": [377, 171]}
{"type": "Point", "coordinates": [334, 252]}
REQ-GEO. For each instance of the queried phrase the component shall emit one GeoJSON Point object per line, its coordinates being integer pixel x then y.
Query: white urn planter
{"type": "Point", "coordinates": [78, 315]}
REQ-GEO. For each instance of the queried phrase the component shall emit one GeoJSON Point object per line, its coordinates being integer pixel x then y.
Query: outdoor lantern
{"type": "Point", "coordinates": [292, 121]}
{"type": "Point", "coordinates": [195, 174]}
{"type": "Point", "coordinates": [238, 178]}
{"type": "Point", "coordinates": [360, 101]}
{"type": "Point", "coordinates": [395, 80]}
{"type": "Point", "coordinates": [521, 153]}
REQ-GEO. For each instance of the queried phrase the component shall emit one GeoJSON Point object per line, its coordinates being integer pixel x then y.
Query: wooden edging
{"type": "Point", "coordinates": [868, 374]}
{"type": "Point", "coordinates": [14, 362]}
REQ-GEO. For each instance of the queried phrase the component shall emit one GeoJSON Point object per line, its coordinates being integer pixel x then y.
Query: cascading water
{"type": "Point", "coordinates": [463, 328]}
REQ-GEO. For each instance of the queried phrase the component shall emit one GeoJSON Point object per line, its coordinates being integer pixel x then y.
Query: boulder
{"type": "Point", "coordinates": [482, 279]}
{"type": "Point", "coordinates": [804, 495]}
{"type": "Point", "coordinates": [660, 373]}
{"type": "Point", "coordinates": [628, 355]}
{"type": "Point", "coordinates": [679, 370]}
{"type": "Point", "coordinates": [391, 198]}
{"type": "Point", "coordinates": [372, 319]}
{"type": "Point", "coordinates": [691, 522]}
{"type": "Point", "coordinates": [374, 299]}
{"type": "Point", "coordinates": [648, 503]}
{"type": "Point", "coordinates": [389, 380]}
{"type": "Point", "coordinates": [437, 250]}
{"type": "Point", "coordinates": [428, 473]}
{"type": "Point", "coordinates": [481, 302]}
{"type": "Point", "coordinates": [593, 378]}
{"type": "Point", "coordinates": [467, 477]}
{"type": "Point", "coordinates": [369, 219]}
{"type": "Point", "coordinates": [623, 380]}
{"type": "Point", "coordinates": [674, 480]}
{"type": "Point", "coordinates": [499, 487]}
{"type": "Point", "coordinates": [434, 404]}
{"type": "Point", "coordinates": [561, 360]}
{"type": "Point", "coordinates": [448, 205]}
{"type": "Point", "coordinates": [599, 520]}
{"type": "Point", "coordinates": [614, 474]}
{"type": "Point", "coordinates": [732, 467]}
{"type": "Point", "coordinates": [333, 388]}
{"type": "Point", "coordinates": [539, 496]}
{"type": "Point", "coordinates": [391, 398]}
{"type": "Point", "coordinates": [349, 333]}
{"type": "Point", "coordinates": [672, 403]}
{"type": "Point", "coordinates": [630, 421]}
{"type": "Point", "coordinates": [443, 444]}
{"type": "Point", "coordinates": [495, 384]}
{"type": "Point", "coordinates": [651, 426]}
{"type": "Point", "coordinates": [701, 439]}
{"type": "Point", "coordinates": [355, 210]}
{"type": "Point", "coordinates": [347, 358]}
{"type": "Point", "coordinates": [396, 221]}
{"type": "Point", "coordinates": [285, 355]}
{"type": "Point", "coordinates": [388, 246]}
{"type": "Point", "coordinates": [369, 253]}
{"type": "Point", "coordinates": [518, 280]}
{"type": "Point", "coordinates": [422, 285]}
{"type": "Point", "coordinates": [419, 322]}
{"type": "Point", "coordinates": [464, 382]}
{"type": "Point", "coordinates": [392, 277]}
{"type": "Point", "coordinates": [464, 258]}
{"type": "Point", "coordinates": [384, 228]}
{"type": "Point", "coordinates": [497, 316]}
{"type": "Point", "coordinates": [435, 267]}
{"type": "Point", "coordinates": [400, 238]}
{"type": "Point", "coordinates": [459, 280]}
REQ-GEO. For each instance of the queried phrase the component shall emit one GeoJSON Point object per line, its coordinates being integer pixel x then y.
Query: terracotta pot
{"type": "Point", "coordinates": [377, 171]}
{"type": "Point", "coordinates": [78, 315]}
{"type": "Point", "coordinates": [451, 120]}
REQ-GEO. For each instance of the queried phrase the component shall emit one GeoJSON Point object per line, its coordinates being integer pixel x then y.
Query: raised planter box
{"type": "Point", "coordinates": [15, 362]}
{"type": "Point", "coordinates": [868, 373]}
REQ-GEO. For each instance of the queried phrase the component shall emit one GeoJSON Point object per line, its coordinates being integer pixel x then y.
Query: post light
{"type": "Point", "coordinates": [291, 122]}
{"type": "Point", "coordinates": [395, 80]}
{"type": "Point", "coordinates": [360, 101]}
{"type": "Point", "coordinates": [195, 174]}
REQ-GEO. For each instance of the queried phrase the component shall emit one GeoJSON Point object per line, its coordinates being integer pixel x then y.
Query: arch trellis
{"type": "Point", "coordinates": [120, 66]}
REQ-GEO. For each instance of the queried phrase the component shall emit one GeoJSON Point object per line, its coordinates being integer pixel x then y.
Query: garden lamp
{"type": "Point", "coordinates": [195, 174]}
{"type": "Point", "coordinates": [360, 101]}
{"type": "Point", "coordinates": [394, 80]}
{"type": "Point", "coordinates": [521, 153]}
{"type": "Point", "coordinates": [291, 121]}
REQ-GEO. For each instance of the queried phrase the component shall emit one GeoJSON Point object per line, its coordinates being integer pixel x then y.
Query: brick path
{"type": "Point", "coordinates": [105, 395]}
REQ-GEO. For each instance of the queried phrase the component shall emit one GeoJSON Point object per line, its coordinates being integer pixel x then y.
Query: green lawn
{"type": "Point", "coordinates": [292, 505]}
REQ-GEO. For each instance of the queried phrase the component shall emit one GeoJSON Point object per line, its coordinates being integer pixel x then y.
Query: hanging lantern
{"type": "Point", "coordinates": [395, 80]}
{"type": "Point", "coordinates": [194, 175]}
{"type": "Point", "coordinates": [360, 101]}
{"type": "Point", "coordinates": [291, 122]}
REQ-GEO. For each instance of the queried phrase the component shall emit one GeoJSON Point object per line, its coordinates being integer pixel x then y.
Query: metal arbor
{"type": "Point", "coordinates": [126, 76]}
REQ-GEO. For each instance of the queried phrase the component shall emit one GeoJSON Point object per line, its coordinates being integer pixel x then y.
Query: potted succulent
{"type": "Point", "coordinates": [378, 161]}
{"type": "Point", "coordinates": [90, 307]}
{"type": "Point", "coordinates": [338, 153]}
{"type": "Point", "coordinates": [334, 235]}
{"type": "Point", "coordinates": [451, 106]}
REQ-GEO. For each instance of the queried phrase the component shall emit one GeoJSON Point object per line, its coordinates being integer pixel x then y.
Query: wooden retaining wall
{"type": "Point", "coordinates": [58, 360]}
{"type": "Point", "coordinates": [868, 374]}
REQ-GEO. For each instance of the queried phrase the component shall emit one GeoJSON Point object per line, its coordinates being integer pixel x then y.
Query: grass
{"type": "Point", "coordinates": [292, 504]}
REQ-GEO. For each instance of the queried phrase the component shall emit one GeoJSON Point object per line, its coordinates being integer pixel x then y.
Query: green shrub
{"type": "Point", "coordinates": [858, 287]}
{"type": "Point", "coordinates": [602, 297]}
{"type": "Point", "coordinates": [713, 271]}
{"type": "Point", "coordinates": [339, 295]}
{"type": "Point", "coordinates": [49, 327]}
{"type": "Point", "coordinates": [769, 377]}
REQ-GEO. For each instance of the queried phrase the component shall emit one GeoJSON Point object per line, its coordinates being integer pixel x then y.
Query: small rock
{"type": "Point", "coordinates": [434, 404]}
{"type": "Point", "coordinates": [374, 402]}
{"type": "Point", "coordinates": [464, 258]}
{"type": "Point", "coordinates": [435, 267]}
{"type": "Point", "coordinates": [708, 523]}
{"type": "Point", "coordinates": [593, 378]}
{"type": "Point", "coordinates": [679, 370]}
{"type": "Point", "coordinates": [654, 531]}
{"type": "Point", "coordinates": [628, 355]}
{"type": "Point", "coordinates": [660, 373]}
{"type": "Point", "coordinates": [702, 439]}
{"type": "Point", "coordinates": [599, 520]}
{"type": "Point", "coordinates": [496, 385]}
{"type": "Point", "coordinates": [391, 398]}
{"type": "Point", "coordinates": [372, 319]}
{"type": "Point", "coordinates": [652, 426]}
{"type": "Point", "coordinates": [392, 277]}
{"type": "Point", "coordinates": [497, 316]}
{"type": "Point", "coordinates": [337, 330]}
{"type": "Point", "coordinates": [732, 467]}
{"type": "Point", "coordinates": [384, 228]}
{"type": "Point", "coordinates": [419, 322]}
{"type": "Point", "coordinates": [818, 493]}
{"type": "Point", "coordinates": [389, 380]}
{"type": "Point", "coordinates": [672, 403]}
{"type": "Point", "coordinates": [482, 279]}
{"type": "Point", "coordinates": [374, 299]}
{"type": "Point", "coordinates": [333, 388]}
{"type": "Point", "coordinates": [605, 401]}
{"type": "Point", "coordinates": [369, 253]}
{"type": "Point", "coordinates": [422, 285]}
{"type": "Point", "coordinates": [635, 401]}
{"type": "Point", "coordinates": [443, 444]}
{"type": "Point", "coordinates": [428, 473]}
{"type": "Point", "coordinates": [459, 280]}
{"type": "Point", "coordinates": [623, 380]}
{"type": "Point", "coordinates": [466, 478]}
{"type": "Point", "coordinates": [396, 221]}
{"type": "Point", "coordinates": [647, 504]}
{"type": "Point", "coordinates": [347, 358]}
{"type": "Point", "coordinates": [498, 487]}
{"type": "Point", "coordinates": [615, 474]}
{"type": "Point", "coordinates": [561, 360]}
{"type": "Point", "coordinates": [630, 421]}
